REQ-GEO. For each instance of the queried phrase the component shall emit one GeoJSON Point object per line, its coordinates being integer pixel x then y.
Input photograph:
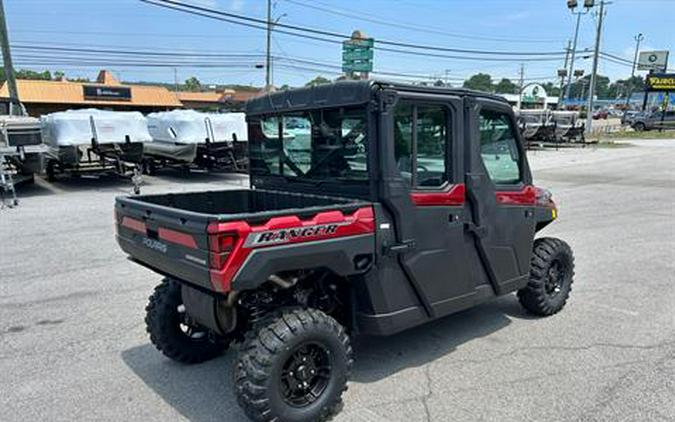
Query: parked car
{"type": "Point", "coordinates": [629, 116]}
{"type": "Point", "coordinates": [600, 114]}
{"type": "Point", "coordinates": [655, 120]}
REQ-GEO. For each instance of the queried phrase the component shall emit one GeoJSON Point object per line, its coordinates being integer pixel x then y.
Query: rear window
{"type": "Point", "coordinates": [318, 145]}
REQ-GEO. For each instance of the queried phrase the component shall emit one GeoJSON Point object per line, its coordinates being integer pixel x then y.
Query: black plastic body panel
{"type": "Point", "coordinates": [338, 255]}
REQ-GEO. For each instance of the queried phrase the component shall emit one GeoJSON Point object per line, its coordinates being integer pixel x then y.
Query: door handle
{"type": "Point", "coordinates": [397, 248]}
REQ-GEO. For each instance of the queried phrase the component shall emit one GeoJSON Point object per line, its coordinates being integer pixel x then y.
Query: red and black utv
{"type": "Point", "coordinates": [374, 207]}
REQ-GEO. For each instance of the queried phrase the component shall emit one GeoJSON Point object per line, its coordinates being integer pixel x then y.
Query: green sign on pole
{"type": "Point", "coordinates": [357, 55]}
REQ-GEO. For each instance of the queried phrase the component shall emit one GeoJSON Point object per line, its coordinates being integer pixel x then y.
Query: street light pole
{"type": "Point", "coordinates": [629, 89]}
{"type": "Point", "coordinates": [268, 59]}
{"type": "Point", "coordinates": [638, 39]}
{"type": "Point", "coordinates": [594, 74]}
{"type": "Point", "coordinates": [521, 87]}
{"type": "Point", "coordinates": [562, 79]}
{"type": "Point", "coordinates": [574, 54]}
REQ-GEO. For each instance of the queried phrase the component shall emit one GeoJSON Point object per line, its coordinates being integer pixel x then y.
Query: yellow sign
{"type": "Point", "coordinates": [664, 82]}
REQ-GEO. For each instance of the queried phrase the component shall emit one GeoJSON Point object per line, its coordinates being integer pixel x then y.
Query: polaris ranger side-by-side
{"type": "Point", "coordinates": [374, 207]}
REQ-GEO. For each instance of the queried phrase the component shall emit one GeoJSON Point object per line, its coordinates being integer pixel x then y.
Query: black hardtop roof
{"type": "Point", "coordinates": [345, 93]}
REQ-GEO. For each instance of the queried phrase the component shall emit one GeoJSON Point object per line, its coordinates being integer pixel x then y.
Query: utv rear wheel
{"type": "Point", "coordinates": [293, 367]}
{"type": "Point", "coordinates": [551, 277]}
{"type": "Point", "coordinates": [173, 333]}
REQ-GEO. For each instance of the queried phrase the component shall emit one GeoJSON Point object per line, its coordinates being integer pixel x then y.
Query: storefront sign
{"type": "Point", "coordinates": [97, 92]}
{"type": "Point", "coordinates": [661, 82]}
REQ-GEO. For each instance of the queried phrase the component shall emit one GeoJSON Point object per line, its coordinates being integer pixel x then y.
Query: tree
{"type": "Point", "coordinates": [479, 82]}
{"type": "Point", "coordinates": [581, 87]}
{"type": "Point", "coordinates": [319, 80]}
{"type": "Point", "coordinates": [31, 74]}
{"type": "Point", "coordinates": [193, 84]}
{"type": "Point", "coordinates": [552, 89]}
{"type": "Point", "coordinates": [58, 75]}
{"type": "Point", "coordinates": [626, 87]}
{"type": "Point", "coordinates": [505, 86]}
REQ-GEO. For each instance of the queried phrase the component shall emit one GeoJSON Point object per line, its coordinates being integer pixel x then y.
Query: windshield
{"type": "Point", "coordinates": [319, 145]}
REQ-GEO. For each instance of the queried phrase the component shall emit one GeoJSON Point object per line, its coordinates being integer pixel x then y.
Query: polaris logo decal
{"type": "Point", "coordinates": [281, 236]}
{"type": "Point", "coordinates": [155, 244]}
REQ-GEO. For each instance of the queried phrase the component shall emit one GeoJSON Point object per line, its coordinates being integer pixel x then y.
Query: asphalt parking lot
{"type": "Point", "coordinates": [73, 343]}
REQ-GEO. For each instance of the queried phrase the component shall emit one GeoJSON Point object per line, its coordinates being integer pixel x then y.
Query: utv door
{"type": "Point", "coordinates": [500, 194]}
{"type": "Point", "coordinates": [429, 200]}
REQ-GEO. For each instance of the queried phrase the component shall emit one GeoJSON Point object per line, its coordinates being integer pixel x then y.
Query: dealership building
{"type": "Point", "coordinates": [44, 97]}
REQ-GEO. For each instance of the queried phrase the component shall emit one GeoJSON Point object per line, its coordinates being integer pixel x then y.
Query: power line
{"type": "Point", "coordinates": [190, 7]}
{"type": "Point", "coordinates": [106, 56]}
{"type": "Point", "coordinates": [367, 18]}
{"type": "Point", "coordinates": [399, 51]}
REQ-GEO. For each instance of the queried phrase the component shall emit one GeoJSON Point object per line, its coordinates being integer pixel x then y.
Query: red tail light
{"type": "Point", "coordinates": [220, 247]}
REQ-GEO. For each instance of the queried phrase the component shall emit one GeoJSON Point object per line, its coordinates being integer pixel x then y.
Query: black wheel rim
{"type": "Point", "coordinates": [306, 374]}
{"type": "Point", "coordinates": [188, 329]}
{"type": "Point", "coordinates": [555, 279]}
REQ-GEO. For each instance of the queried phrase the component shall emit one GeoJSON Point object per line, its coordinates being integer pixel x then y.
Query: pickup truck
{"type": "Point", "coordinates": [373, 207]}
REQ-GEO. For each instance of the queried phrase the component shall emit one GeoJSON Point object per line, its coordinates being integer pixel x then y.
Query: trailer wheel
{"type": "Point", "coordinates": [551, 277]}
{"type": "Point", "coordinates": [173, 334]}
{"type": "Point", "coordinates": [293, 366]}
{"type": "Point", "coordinates": [51, 171]}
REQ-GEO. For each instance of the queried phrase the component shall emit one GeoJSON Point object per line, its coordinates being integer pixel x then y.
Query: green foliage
{"type": "Point", "coordinates": [319, 80]}
{"type": "Point", "coordinates": [27, 74]}
{"type": "Point", "coordinates": [505, 86]}
{"type": "Point", "coordinates": [626, 87]}
{"type": "Point", "coordinates": [479, 82]}
{"type": "Point", "coordinates": [193, 84]}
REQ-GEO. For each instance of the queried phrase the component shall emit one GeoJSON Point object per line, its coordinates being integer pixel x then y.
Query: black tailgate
{"type": "Point", "coordinates": [170, 241]}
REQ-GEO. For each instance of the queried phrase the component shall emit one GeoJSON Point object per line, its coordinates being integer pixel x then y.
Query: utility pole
{"type": "Point", "coordinates": [9, 67]}
{"type": "Point", "coordinates": [562, 79]}
{"type": "Point", "coordinates": [594, 74]}
{"type": "Point", "coordinates": [175, 80]}
{"type": "Point", "coordinates": [268, 61]}
{"type": "Point", "coordinates": [521, 86]}
{"type": "Point", "coordinates": [638, 39]}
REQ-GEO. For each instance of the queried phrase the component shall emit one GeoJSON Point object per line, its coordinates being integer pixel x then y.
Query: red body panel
{"type": "Point", "coordinates": [525, 196]}
{"type": "Point", "coordinates": [177, 237]}
{"type": "Point", "coordinates": [453, 196]}
{"type": "Point", "coordinates": [362, 221]}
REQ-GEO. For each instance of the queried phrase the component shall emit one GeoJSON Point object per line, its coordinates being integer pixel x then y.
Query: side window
{"type": "Point", "coordinates": [499, 148]}
{"type": "Point", "coordinates": [420, 142]}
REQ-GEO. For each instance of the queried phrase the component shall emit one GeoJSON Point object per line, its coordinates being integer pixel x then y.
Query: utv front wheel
{"type": "Point", "coordinates": [551, 276]}
{"type": "Point", "coordinates": [173, 333]}
{"type": "Point", "coordinates": [293, 367]}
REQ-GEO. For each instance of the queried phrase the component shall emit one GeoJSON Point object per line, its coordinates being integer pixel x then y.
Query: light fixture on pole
{"type": "Point", "coordinates": [573, 5]}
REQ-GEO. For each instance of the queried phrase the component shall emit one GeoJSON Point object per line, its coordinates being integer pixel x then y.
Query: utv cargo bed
{"type": "Point", "coordinates": [173, 234]}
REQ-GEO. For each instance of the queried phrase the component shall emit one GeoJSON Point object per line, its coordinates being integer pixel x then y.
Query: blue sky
{"type": "Point", "coordinates": [506, 25]}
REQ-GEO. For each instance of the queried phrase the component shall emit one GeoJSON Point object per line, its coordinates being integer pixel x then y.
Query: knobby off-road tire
{"type": "Point", "coordinates": [551, 277]}
{"type": "Point", "coordinates": [172, 335]}
{"type": "Point", "coordinates": [272, 378]}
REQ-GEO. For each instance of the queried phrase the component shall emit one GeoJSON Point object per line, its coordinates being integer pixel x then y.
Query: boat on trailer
{"type": "Point", "coordinates": [188, 138]}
